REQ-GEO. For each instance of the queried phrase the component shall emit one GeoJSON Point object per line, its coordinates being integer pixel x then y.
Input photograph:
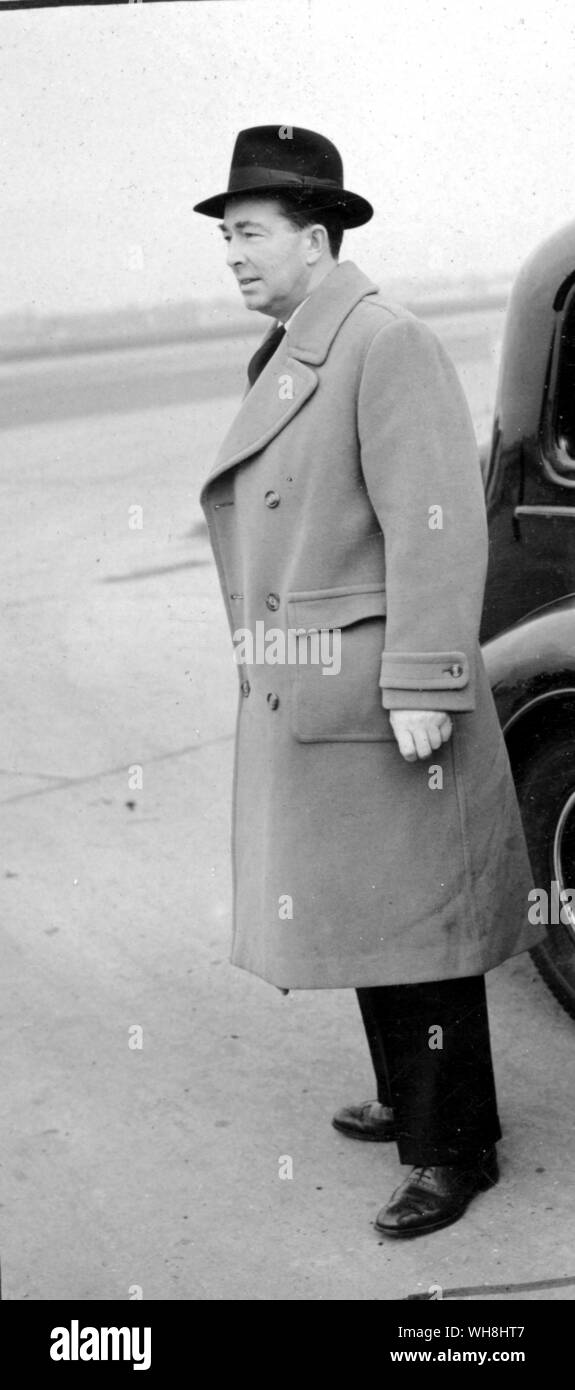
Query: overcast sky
{"type": "Point", "coordinates": [457, 123]}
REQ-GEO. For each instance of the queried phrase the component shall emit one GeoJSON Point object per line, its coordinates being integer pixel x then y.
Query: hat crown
{"type": "Point", "coordinates": [287, 149]}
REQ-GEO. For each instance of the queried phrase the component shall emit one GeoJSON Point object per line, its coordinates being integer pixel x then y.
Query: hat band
{"type": "Point", "coordinates": [257, 176]}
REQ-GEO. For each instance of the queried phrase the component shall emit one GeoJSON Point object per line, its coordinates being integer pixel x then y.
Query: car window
{"type": "Point", "coordinates": [564, 414]}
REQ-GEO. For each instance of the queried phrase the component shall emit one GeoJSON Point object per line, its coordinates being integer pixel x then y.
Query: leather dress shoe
{"type": "Point", "coordinates": [370, 1120]}
{"type": "Point", "coordinates": [435, 1196]}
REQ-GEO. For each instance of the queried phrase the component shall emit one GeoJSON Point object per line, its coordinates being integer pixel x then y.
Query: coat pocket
{"type": "Point", "coordinates": [334, 683]}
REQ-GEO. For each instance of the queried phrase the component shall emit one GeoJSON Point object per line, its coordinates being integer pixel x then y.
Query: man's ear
{"type": "Point", "coordinates": [318, 242]}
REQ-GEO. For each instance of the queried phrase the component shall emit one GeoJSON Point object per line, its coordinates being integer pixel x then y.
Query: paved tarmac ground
{"type": "Point", "coordinates": [157, 1168]}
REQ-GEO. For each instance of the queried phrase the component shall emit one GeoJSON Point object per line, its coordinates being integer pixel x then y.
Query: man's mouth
{"type": "Point", "coordinates": [248, 280]}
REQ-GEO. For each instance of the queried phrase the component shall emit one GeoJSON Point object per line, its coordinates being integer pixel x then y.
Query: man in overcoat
{"type": "Point", "coordinates": [377, 843]}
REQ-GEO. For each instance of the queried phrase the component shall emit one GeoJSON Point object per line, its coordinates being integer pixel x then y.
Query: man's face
{"type": "Point", "coordinates": [268, 256]}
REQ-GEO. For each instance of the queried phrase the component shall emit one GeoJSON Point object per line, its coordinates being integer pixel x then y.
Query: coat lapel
{"type": "Point", "coordinates": [270, 404]}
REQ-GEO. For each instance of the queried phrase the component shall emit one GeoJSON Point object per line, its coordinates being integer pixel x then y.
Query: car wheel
{"type": "Point", "coordinates": [546, 791]}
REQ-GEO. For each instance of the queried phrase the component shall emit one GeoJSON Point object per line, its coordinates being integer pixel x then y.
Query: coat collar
{"type": "Point", "coordinates": [262, 413]}
{"type": "Point", "coordinates": [317, 323]}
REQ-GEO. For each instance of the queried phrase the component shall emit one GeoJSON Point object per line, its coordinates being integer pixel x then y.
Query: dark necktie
{"type": "Point", "coordinates": [264, 352]}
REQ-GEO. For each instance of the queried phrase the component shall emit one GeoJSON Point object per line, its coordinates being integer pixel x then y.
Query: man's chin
{"type": "Point", "coordinates": [255, 297]}
{"type": "Point", "coordinates": [257, 302]}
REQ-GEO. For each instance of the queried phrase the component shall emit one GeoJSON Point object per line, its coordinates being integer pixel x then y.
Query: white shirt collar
{"type": "Point", "coordinates": [296, 311]}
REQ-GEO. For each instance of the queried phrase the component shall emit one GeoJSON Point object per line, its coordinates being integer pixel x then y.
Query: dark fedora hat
{"type": "Point", "coordinates": [286, 159]}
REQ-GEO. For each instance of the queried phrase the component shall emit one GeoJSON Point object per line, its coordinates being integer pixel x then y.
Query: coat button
{"type": "Point", "coordinates": [273, 602]}
{"type": "Point", "coordinates": [455, 670]}
{"type": "Point", "coordinates": [272, 499]}
{"type": "Point", "coordinates": [245, 688]}
{"type": "Point", "coordinates": [273, 700]}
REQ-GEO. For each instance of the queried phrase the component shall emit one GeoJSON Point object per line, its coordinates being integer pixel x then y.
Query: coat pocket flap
{"type": "Point", "coordinates": [334, 608]}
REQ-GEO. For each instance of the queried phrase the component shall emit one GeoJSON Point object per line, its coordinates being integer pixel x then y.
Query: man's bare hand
{"type": "Point", "coordinates": [419, 732]}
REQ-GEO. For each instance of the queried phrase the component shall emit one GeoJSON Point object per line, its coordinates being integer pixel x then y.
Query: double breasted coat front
{"type": "Point", "coordinates": [346, 506]}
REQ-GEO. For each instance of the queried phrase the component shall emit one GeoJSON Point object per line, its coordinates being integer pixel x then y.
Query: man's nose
{"type": "Point", "coordinates": [235, 254]}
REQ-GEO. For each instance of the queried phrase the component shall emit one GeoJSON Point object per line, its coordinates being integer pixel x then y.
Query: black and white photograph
{"type": "Point", "coordinates": [287, 405]}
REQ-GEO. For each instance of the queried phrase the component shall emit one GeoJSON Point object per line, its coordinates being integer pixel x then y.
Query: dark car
{"type": "Point", "coordinates": [528, 627]}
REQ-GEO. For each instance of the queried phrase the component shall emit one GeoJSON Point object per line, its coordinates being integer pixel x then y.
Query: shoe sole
{"type": "Point", "coordinates": [364, 1138]}
{"type": "Point", "coordinates": [410, 1234]}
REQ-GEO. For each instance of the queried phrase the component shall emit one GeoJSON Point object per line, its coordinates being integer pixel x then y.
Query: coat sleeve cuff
{"type": "Point", "coordinates": [408, 678]}
{"type": "Point", "coordinates": [424, 670]}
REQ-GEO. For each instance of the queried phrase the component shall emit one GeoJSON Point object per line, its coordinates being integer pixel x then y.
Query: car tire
{"type": "Point", "coordinates": [545, 784]}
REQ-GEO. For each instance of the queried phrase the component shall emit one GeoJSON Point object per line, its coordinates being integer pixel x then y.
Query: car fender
{"type": "Point", "coordinates": [533, 662]}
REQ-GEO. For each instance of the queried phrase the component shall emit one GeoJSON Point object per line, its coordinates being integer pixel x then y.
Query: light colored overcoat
{"type": "Point", "coordinates": [346, 500]}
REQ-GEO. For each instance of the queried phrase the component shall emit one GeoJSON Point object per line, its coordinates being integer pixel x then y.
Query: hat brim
{"type": "Point", "coordinates": [353, 210]}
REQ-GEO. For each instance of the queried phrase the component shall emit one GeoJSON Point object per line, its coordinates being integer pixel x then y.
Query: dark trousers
{"type": "Point", "coordinates": [431, 1053]}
